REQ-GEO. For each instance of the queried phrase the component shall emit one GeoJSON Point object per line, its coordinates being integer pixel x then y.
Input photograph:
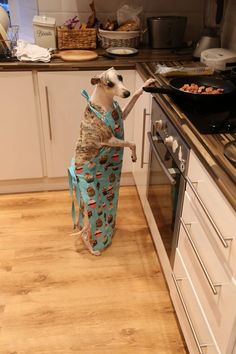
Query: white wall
{"type": "Point", "coordinates": [22, 13]}
{"type": "Point", "coordinates": [229, 27]}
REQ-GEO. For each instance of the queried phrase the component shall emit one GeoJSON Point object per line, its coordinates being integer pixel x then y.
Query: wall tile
{"type": "Point", "coordinates": [71, 5]}
{"type": "Point", "coordinates": [64, 9]}
{"type": "Point", "coordinates": [45, 6]}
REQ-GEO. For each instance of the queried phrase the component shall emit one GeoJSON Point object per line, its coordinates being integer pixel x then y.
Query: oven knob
{"type": "Point", "coordinates": [175, 145]}
{"type": "Point", "coordinates": [160, 124]}
{"type": "Point", "coordinates": [169, 141]}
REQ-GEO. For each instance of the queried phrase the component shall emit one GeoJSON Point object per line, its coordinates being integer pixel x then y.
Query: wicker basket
{"type": "Point", "coordinates": [119, 38]}
{"type": "Point", "coordinates": [76, 38]}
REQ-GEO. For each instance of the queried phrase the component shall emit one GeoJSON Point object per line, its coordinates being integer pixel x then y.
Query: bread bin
{"type": "Point", "coordinates": [45, 31]}
{"type": "Point", "coordinates": [166, 31]}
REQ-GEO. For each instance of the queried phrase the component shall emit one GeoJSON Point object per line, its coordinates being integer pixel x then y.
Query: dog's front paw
{"type": "Point", "coordinates": [134, 158]}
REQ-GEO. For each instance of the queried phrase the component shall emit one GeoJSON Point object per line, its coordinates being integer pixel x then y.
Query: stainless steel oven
{"type": "Point", "coordinates": [166, 182]}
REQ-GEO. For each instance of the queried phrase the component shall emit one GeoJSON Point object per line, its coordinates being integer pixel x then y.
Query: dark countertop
{"type": "Point", "coordinates": [209, 148]}
{"type": "Point", "coordinates": [121, 62]}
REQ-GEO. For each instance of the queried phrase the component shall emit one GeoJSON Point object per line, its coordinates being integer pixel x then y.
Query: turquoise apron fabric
{"type": "Point", "coordinates": [95, 185]}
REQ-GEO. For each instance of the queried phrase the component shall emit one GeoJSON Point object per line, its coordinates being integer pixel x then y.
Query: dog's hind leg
{"type": "Point", "coordinates": [85, 235]}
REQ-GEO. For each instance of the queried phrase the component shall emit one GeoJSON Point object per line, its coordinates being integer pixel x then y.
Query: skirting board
{"type": "Point", "coordinates": [48, 184]}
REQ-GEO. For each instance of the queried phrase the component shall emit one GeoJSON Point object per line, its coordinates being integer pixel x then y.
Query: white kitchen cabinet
{"type": "Point", "coordinates": [142, 123]}
{"type": "Point", "coordinates": [62, 109]}
{"type": "Point", "coordinates": [20, 153]}
{"type": "Point", "coordinates": [206, 246]}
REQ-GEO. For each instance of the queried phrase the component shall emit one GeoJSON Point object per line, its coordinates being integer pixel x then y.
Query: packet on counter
{"type": "Point", "coordinates": [166, 71]}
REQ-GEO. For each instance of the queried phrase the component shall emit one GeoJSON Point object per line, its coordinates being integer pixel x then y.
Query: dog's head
{"type": "Point", "coordinates": [112, 82]}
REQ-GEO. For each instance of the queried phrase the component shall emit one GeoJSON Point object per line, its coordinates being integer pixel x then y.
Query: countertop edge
{"type": "Point", "coordinates": [225, 183]}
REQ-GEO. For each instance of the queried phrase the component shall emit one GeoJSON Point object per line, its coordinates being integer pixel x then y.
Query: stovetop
{"type": "Point", "coordinates": [217, 119]}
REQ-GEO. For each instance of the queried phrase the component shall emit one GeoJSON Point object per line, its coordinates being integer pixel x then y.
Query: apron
{"type": "Point", "coordinates": [95, 185]}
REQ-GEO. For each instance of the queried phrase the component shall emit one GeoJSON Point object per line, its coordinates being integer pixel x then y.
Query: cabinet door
{"type": "Point", "coordinates": [62, 111]}
{"type": "Point", "coordinates": [20, 155]}
{"type": "Point", "coordinates": [142, 123]}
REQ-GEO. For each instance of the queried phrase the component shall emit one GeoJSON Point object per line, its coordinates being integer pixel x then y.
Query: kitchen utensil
{"type": "Point", "coordinates": [219, 58]}
{"type": "Point", "coordinates": [75, 55]}
{"type": "Point", "coordinates": [122, 51]}
{"type": "Point", "coordinates": [204, 43]}
{"type": "Point", "coordinates": [4, 19]}
{"type": "Point", "coordinates": [211, 32]}
{"type": "Point", "coordinates": [174, 89]}
{"type": "Point", "coordinates": [166, 31]}
{"type": "Point", "coordinates": [4, 41]}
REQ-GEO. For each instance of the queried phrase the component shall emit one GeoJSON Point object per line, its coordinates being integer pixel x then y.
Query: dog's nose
{"type": "Point", "coordinates": [126, 94]}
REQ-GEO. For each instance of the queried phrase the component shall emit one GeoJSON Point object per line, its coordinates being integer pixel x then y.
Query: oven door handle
{"type": "Point", "coordinates": [162, 164]}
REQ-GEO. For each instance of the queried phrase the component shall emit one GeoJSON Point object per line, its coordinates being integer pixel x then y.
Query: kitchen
{"type": "Point", "coordinates": [43, 306]}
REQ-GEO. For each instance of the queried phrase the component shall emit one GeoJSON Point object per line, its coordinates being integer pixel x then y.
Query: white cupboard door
{"type": "Point", "coordinates": [20, 155]}
{"type": "Point", "coordinates": [62, 108]}
{"type": "Point", "coordinates": [142, 123]}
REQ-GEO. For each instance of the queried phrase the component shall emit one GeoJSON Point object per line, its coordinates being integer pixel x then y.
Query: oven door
{"type": "Point", "coordinates": [165, 193]}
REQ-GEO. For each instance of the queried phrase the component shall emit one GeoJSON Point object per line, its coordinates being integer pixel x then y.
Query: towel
{"type": "Point", "coordinates": [31, 52]}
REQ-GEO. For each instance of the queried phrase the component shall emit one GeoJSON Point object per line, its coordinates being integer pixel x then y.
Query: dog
{"type": "Point", "coordinates": [98, 158]}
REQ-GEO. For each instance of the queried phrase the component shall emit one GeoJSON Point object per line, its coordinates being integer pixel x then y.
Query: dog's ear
{"type": "Point", "coordinates": [95, 80]}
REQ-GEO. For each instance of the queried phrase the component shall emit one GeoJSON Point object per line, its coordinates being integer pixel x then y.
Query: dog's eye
{"type": "Point", "coordinates": [110, 84]}
{"type": "Point", "coordinates": [120, 77]}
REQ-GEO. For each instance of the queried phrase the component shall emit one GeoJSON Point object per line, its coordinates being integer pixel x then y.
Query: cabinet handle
{"type": "Point", "coordinates": [210, 282]}
{"type": "Point", "coordinates": [199, 346]}
{"type": "Point", "coordinates": [145, 114]}
{"type": "Point", "coordinates": [222, 239]}
{"type": "Point", "coordinates": [48, 112]}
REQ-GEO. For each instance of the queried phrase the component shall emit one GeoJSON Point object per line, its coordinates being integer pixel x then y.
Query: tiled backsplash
{"type": "Point", "coordinates": [64, 9]}
{"type": "Point", "coordinates": [22, 12]}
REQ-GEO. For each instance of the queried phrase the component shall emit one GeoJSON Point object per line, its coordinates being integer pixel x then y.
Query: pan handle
{"type": "Point", "coordinates": [161, 89]}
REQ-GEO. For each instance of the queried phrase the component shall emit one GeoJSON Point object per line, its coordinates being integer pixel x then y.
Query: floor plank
{"type": "Point", "coordinates": [54, 300]}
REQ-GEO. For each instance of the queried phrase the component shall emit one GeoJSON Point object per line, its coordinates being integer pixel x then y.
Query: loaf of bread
{"type": "Point", "coordinates": [128, 26]}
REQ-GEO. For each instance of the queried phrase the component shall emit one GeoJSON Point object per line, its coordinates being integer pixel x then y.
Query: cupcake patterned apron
{"type": "Point", "coordinates": [95, 185]}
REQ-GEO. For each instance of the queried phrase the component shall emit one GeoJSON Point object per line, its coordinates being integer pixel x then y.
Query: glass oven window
{"type": "Point", "coordinates": [163, 196]}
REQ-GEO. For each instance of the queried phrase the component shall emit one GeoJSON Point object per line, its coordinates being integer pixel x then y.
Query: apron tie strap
{"type": "Point", "coordinates": [85, 94]}
{"type": "Point", "coordinates": [73, 185]}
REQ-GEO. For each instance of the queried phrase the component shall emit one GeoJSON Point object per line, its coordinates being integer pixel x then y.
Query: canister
{"type": "Point", "coordinates": [45, 31]}
{"type": "Point", "coordinates": [166, 31]}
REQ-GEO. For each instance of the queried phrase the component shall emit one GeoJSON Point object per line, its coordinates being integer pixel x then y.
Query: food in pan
{"type": "Point", "coordinates": [205, 90]}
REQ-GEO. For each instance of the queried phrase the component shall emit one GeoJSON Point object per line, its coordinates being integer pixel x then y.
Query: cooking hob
{"type": "Point", "coordinates": [217, 119]}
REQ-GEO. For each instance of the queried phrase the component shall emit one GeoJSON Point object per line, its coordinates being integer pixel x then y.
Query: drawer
{"type": "Point", "coordinates": [194, 214]}
{"type": "Point", "coordinates": [200, 339]}
{"type": "Point", "coordinates": [215, 203]}
{"type": "Point", "coordinates": [215, 289]}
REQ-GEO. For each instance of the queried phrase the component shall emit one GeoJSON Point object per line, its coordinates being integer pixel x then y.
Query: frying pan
{"type": "Point", "coordinates": [175, 84]}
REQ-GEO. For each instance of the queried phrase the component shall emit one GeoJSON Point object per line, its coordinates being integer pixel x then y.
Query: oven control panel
{"type": "Point", "coordinates": [163, 128]}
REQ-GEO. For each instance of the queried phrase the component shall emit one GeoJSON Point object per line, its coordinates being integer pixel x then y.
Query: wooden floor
{"type": "Point", "coordinates": [54, 300]}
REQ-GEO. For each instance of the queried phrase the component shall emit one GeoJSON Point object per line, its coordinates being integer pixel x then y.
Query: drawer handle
{"type": "Point", "coordinates": [222, 239]}
{"type": "Point", "coordinates": [210, 282]}
{"type": "Point", "coordinates": [199, 346]}
{"type": "Point", "coordinates": [48, 112]}
{"type": "Point", "coordinates": [145, 115]}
